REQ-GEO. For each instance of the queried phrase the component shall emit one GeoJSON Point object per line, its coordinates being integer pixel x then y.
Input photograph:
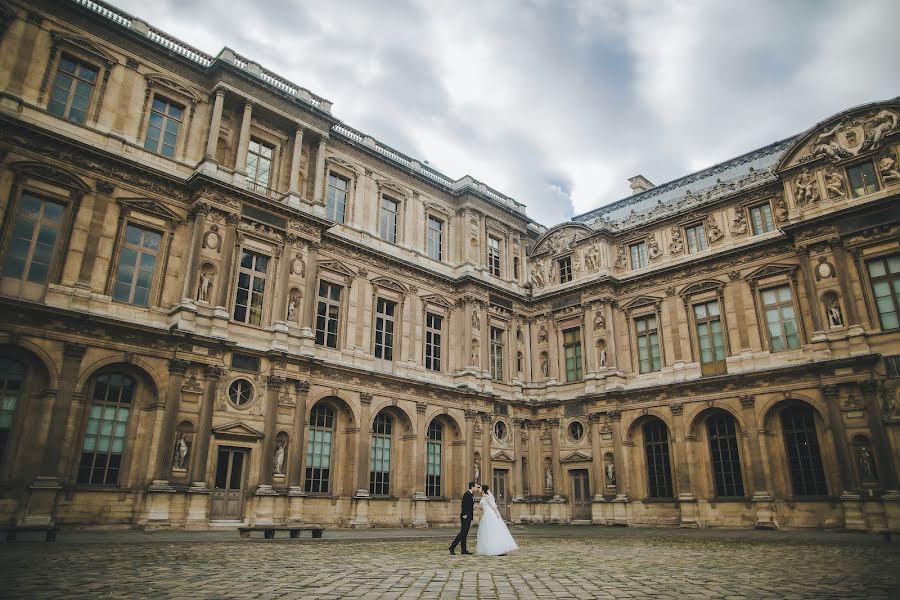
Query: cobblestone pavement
{"type": "Point", "coordinates": [590, 563]}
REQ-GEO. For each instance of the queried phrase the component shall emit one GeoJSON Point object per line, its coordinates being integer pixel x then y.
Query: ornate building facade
{"type": "Point", "coordinates": [221, 304]}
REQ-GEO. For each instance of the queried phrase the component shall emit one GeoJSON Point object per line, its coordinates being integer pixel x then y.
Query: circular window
{"type": "Point", "coordinates": [500, 430]}
{"type": "Point", "coordinates": [576, 431]}
{"type": "Point", "coordinates": [240, 392]}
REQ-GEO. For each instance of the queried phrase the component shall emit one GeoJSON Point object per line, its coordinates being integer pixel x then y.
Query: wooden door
{"type": "Point", "coordinates": [581, 495]}
{"type": "Point", "coordinates": [228, 493]}
{"type": "Point", "coordinates": [501, 487]}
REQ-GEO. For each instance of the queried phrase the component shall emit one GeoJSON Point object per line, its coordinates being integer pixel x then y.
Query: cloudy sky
{"type": "Point", "coordinates": [557, 103]}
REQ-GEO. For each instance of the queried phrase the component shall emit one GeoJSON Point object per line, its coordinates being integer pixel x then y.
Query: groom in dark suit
{"type": "Point", "coordinates": [466, 512]}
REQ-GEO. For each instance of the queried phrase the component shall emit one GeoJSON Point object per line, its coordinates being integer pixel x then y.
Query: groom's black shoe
{"type": "Point", "coordinates": [452, 552]}
{"type": "Point", "coordinates": [466, 552]}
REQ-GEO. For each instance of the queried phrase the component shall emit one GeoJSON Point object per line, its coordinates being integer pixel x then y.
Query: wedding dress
{"type": "Point", "coordinates": [493, 535]}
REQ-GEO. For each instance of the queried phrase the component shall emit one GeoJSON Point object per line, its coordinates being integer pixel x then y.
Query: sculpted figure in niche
{"type": "Point", "coordinates": [545, 366]}
{"type": "Point", "coordinates": [474, 356]}
{"type": "Point", "coordinates": [835, 318]}
{"type": "Point", "coordinates": [542, 334]}
{"type": "Point", "coordinates": [653, 249]}
{"type": "Point", "coordinates": [713, 233]}
{"type": "Point", "coordinates": [781, 210]}
{"type": "Point", "coordinates": [677, 244]}
{"type": "Point", "coordinates": [476, 321]}
{"type": "Point", "coordinates": [827, 143]}
{"type": "Point", "coordinates": [477, 474]}
{"type": "Point", "coordinates": [181, 452]}
{"type": "Point", "coordinates": [888, 168]}
{"type": "Point", "coordinates": [298, 267]}
{"type": "Point", "coordinates": [866, 467]}
{"type": "Point", "coordinates": [610, 472]}
{"type": "Point", "coordinates": [548, 479]}
{"type": "Point", "coordinates": [882, 123]}
{"type": "Point", "coordinates": [805, 188]}
{"type": "Point", "coordinates": [599, 321]}
{"type": "Point", "coordinates": [834, 184]}
{"type": "Point", "coordinates": [621, 259]}
{"type": "Point", "coordinates": [203, 287]}
{"type": "Point", "coordinates": [739, 227]}
{"type": "Point", "coordinates": [537, 275]}
{"type": "Point", "coordinates": [592, 258]}
{"type": "Point", "coordinates": [292, 308]}
{"type": "Point", "coordinates": [278, 461]}
{"type": "Point", "coordinates": [601, 353]}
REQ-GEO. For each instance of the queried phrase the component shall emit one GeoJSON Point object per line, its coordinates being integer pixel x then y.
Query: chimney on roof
{"type": "Point", "coordinates": [639, 184]}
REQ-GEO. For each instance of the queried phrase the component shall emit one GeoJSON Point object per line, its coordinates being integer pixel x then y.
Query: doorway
{"type": "Point", "coordinates": [501, 486]}
{"type": "Point", "coordinates": [228, 492]}
{"type": "Point", "coordinates": [581, 495]}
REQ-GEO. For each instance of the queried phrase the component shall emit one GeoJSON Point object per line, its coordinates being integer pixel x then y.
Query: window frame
{"type": "Point", "coordinates": [434, 484]}
{"type": "Point", "coordinates": [267, 289]}
{"type": "Point", "coordinates": [641, 247]}
{"type": "Point", "coordinates": [870, 289]}
{"type": "Point", "coordinates": [764, 324]}
{"type": "Point", "coordinates": [793, 485]}
{"type": "Point", "coordinates": [84, 50]}
{"type": "Point", "coordinates": [121, 244]}
{"type": "Point", "coordinates": [441, 234]}
{"type": "Point", "coordinates": [878, 184]}
{"type": "Point", "coordinates": [394, 333]}
{"type": "Point", "coordinates": [92, 107]}
{"type": "Point", "coordinates": [331, 171]}
{"type": "Point", "coordinates": [430, 331]}
{"type": "Point", "coordinates": [384, 197]}
{"type": "Point", "coordinates": [497, 348]}
{"type": "Point", "coordinates": [702, 240]}
{"type": "Point", "coordinates": [495, 255]}
{"type": "Point", "coordinates": [691, 301]}
{"type": "Point", "coordinates": [577, 347]}
{"type": "Point", "coordinates": [735, 463]}
{"type": "Point", "coordinates": [23, 391]}
{"type": "Point", "coordinates": [636, 353]}
{"type": "Point", "coordinates": [186, 115]}
{"type": "Point", "coordinates": [254, 184]}
{"type": "Point", "coordinates": [310, 446]}
{"type": "Point", "coordinates": [329, 301]}
{"type": "Point", "coordinates": [564, 264]}
{"type": "Point", "coordinates": [771, 218]}
{"type": "Point", "coordinates": [653, 477]}
{"type": "Point", "coordinates": [130, 427]}
{"type": "Point", "coordinates": [382, 488]}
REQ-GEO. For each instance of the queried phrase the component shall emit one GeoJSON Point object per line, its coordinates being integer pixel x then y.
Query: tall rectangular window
{"type": "Point", "coordinates": [380, 456]}
{"type": "Point", "coordinates": [318, 449]}
{"type": "Point", "coordinates": [574, 362]}
{"type": "Point", "coordinates": [434, 457]}
{"type": "Point", "coordinates": [761, 218]}
{"type": "Point", "coordinates": [33, 239]}
{"type": "Point", "coordinates": [696, 238]}
{"type": "Point", "coordinates": [433, 324]}
{"type": "Point", "coordinates": [327, 314]}
{"type": "Point", "coordinates": [659, 468]}
{"type": "Point", "coordinates": [104, 437]}
{"type": "Point", "coordinates": [638, 255]}
{"type": "Point", "coordinates": [162, 128]}
{"type": "Point", "coordinates": [251, 288]}
{"type": "Point", "coordinates": [781, 322]}
{"type": "Point", "coordinates": [70, 97]}
{"type": "Point", "coordinates": [863, 179]}
{"type": "Point", "coordinates": [565, 269]}
{"type": "Point", "coordinates": [435, 238]}
{"type": "Point", "coordinates": [710, 337]}
{"type": "Point", "coordinates": [259, 165]}
{"type": "Point", "coordinates": [336, 203]}
{"type": "Point", "coordinates": [496, 353]}
{"type": "Point", "coordinates": [494, 256]}
{"type": "Point", "coordinates": [137, 264]}
{"type": "Point", "coordinates": [384, 329]}
{"type": "Point", "coordinates": [647, 344]}
{"type": "Point", "coordinates": [388, 228]}
{"type": "Point", "coordinates": [726, 462]}
{"type": "Point", "coordinates": [884, 276]}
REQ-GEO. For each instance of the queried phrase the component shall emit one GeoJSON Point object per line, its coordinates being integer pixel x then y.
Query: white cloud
{"type": "Point", "coordinates": [557, 104]}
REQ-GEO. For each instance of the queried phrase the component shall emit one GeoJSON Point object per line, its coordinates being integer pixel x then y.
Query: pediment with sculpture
{"type": "Point", "coordinates": [561, 239]}
{"type": "Point", "coordinates": [846, 135]}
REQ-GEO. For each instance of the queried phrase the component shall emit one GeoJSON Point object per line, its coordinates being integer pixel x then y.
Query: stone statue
{"type": "Point", "coordinates": [476, 477]}
{"type": "Point", "coordinates": [834, 184]}
{"type": "Point", "coordinates": [781, 210]}
{"type": "Point", "coordinates": [291, 308]}
{"type": "Point", "coordinates": [548, 478]}
{"type": "Point", "coordinates": [835, 318]}
{"type": "Point", "coordinates": [203, 289]}
{"type": "Point", "coordinates": [476, 321]}
{"type": "Point", "coordinates": [866, 468]}
{"type": "Point", "coordinates": [181, 452]}
{"type": "Point", "coordinates": [713, 233]}
{"type": "Point", "coordinates": [545, 367]}
{"type": "Point", "coordinates": [542, 334]}
{"type": "Point", "coordinates": [592, 258]}
{"type": "Point", "coordinates": [298, 266]}
{"type": "Point", "coordinates": [653, 251]}
{"type": "Point", "coordinates": [475, 352]}
{"type": "Point", "coordinates": [806, 189]}
{"type": "Point", "coordinates": [599, 321]}
{"type": "Point", "coordinates": [739, 227]}
{"type": "Point", "coordinates": [538, 278]}
{"type": "Point", "coordinates": [610, 473]}
{"type": "Point", "coordinates": [621, 258]}
{"type": "Point", "coordinates": [827, 143]}
{"type": "Point", "coordinates": [888, 168]}
{"type": "Point", "coordinates": [882, 123]}
{"type": "Point", "coordinates": [602, 356]}
{"type": "Point", "coordinates": [676, 246]}
{"type": "Point", "coordinates": [278, 462]}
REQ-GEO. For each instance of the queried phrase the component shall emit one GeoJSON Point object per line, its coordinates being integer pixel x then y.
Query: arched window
{"type": "Point", "coordinates": [380, 458]}
{"type": "Point", "coordinates": [723, 448]}
{"type": "Point", "coordinates": [318, 449]}
{"type": "Point", "coordinates": [104, 438]}
{"type": "Point", "coordinates": [434, 453]}
{"type": "Point", "coordinates": [659, 469]}
{"type": "Point", "coordinates": [12, 375]}
{"type": "Point", "coordinates": [802, 446]}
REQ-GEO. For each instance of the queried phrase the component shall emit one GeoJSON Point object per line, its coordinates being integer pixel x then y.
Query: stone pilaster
{"type": "Point", "coordinates": [553, 425]}
{"type": "Point", "coordinates": [199, 211]}
{"type": "Point", "coordinates": [177, 370]}
{"type": "Point", "coordinates": [274, 384]}
{"type": "Point", "coordinates": [200, 459]}
{"type": "Point", "coordinates": [214, 125]}
{"type": "Point", "coordinates": [486, 437]}
{"type": "Point", "coordinates": [240, 163]}
{"type": "Point", "coordinates": [297, 448]}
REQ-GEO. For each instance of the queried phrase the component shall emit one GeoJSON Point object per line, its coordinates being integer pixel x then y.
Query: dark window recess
{"type": "Point", "coordinates": [264, 216]}
{"type": "Point", "coordinates": [245, 362]}
{"type": "Point", "coordinates": [892, 365]}
{"type": "Point", "coordinates": [500, 301]}
{"type": "Point", "coordinates": [575, 409]}
{"type": "Point", "coordinates": [500, 409]}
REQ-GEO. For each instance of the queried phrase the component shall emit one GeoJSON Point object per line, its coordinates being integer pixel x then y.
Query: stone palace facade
{"type": "Point", "coordinates": [221, 304]}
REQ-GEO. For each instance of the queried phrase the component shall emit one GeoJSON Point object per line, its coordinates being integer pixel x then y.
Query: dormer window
{"type": "Point", "coordinates": [696, 238]}
{"type": "Point", "coordinates": [565, 269]}
{"type": "Point", "coordinates": [638, 255]}
{"type": "Point", "coordinates": [863, 179]}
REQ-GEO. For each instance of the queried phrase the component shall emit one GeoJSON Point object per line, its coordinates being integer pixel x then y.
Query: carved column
{"type": "Point", "coordinates": [810, 289]}
{"type": "Point", "coordinates": [620, 458]}
{"type": "Point", "coordinates": [213, 375]}
{"type": "Point", "coordinates": [319, 190]}
{"type": "Point", "coordinates": [487, 473]}
{"type": "Point", "coordinates": [296, 155]}
{"type": "Point", "coordinates": [555, 465]}
{"type": "Point", "coordinates": [680, 450]}
{"type": "Point", "coordinates": [596, 456]}
{"type": "Point", "coordinates": [884, 460]}
{"type": "Point", "coordinates": [843, 276]}
{"type": "Point", "coordinates": [240, 163]}
{"type": "Point", "coordinates": [102, 200]}
{"type": "Point", "coordinates": [298, 447]}
{"type": "Point", "coordinates": [273, 385]}
{"type": "Point", "coordinates": [177, 369]}
{"type": "Point", "coordinates": [51, 465]}
{"type": "Point", "coordinates": [365, 443]}
{"type": "Point", "coordinates": [838, 432]}
{"type": "Point", "coordinates": [228, 251]}
{"type": "Point", "coordinates": [471, 415]}
{"type": "Point", "coordinates": [757, 466]}
{"type": "Point", "coordinates": [215, 124]}
{"type": "Point", "coordinates": [518, 486]}
{"type": "Point", "coordinates": [199, 211]}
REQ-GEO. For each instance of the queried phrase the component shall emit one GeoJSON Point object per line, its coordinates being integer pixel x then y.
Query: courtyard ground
{"type": "Point", "coordinates": [553, 562]}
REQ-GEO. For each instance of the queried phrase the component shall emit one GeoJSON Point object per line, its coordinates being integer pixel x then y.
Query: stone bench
{"type": "Point", "coordinates": [269, 530]}
{"type": "Point", "coordinates": [12, 530]}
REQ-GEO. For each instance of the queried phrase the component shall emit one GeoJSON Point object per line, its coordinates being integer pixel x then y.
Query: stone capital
{"type": "Point", "coordinates": [677, 408]}
{"type": "Point", "coordinates": [274, 382]}
{"type": "Point", "coordinates": [178, 366]}
{"type": "Point", "coordinates": [74, 350]}
{"type": "Point", "coordinates": [614, 415]}
{"type": "Point", "coordinates": [830, 391]}
{"type": "Point", "coordinates": [213, 371]}
{"type": "Point", "coordinates": [301, 387]}
{"type": "Point", "coordinates": [748, 400]}
{"type": "Point", "coordinates": [365, 398]}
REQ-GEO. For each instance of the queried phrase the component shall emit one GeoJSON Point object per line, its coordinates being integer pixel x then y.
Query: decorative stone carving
{"type": "Point", "coordinates": [806, 189]}
{"type": "Point", "coordinates": [615, 415]}
{"type": "Point", "coordinates": [621, 258]}
{"type": "Point", "coordinates": [475, 353]}
{"type": "Point", "coordinates": [476, 472]}
{"type": "Point", "coordinates": [610, 471]}
{"type": "Point", "coordinates": [292, 307]}
{"type": "Point", "coordinates": [827, 143]}
{"type": "Point", "coordinates": [713, 233]}
{"type": "Point", "coordinates": [538, 278]}
{"type": "Point", "coordinates": [204, 286]}
{"type": "Point", "coordinates": [298, 266]}
{"type": "Point", "coordinates": [887, 166]}
{"type": "Point", "coordinates": [653, 251]}
{"type": "Point", "coordinates": [824, 270]}
{"type": "Point", "coordinates": [781, 210]}
{"type": "Point", "coordinates": [212, 239]}
{"type": "Point", "coordinates": [601, 353]}
{"type": "Point", "coordinates": [835, 187]}
{"type": "Point", "coordinates": [676, 246]}
{"type": "Point", "coordinates": [599, 321]}
{"type": "Point", "coordinates": [866, 464]}
{"type": "Point", "coordinates": [739, 226]}
{"type": "Point", "coordinates": [835, 318]}
{"type": "Point", "coordinates": [278, 459]}
{"type": "Point", "coordinates": [592, 257]}
{"type": "Point", "coordinates": [677, 408]}
{"type": "Point", "coordinates": [748, 401]}
{"type": "Point", "coordinates": [883, 123]}
{"type": "Point", "coordinates": [545, 365]}
{"type": "Point", "coordinates": [542, 334]}
{"type": "Point", "coordinates": [548, 479]}
{"type": "Point", "coordinates": [476, 321]}
{"type": "Point", "coordinates": [181, 452]}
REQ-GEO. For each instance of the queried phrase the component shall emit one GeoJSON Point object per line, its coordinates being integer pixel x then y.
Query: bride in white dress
{"type": "Point", "coordinates": [494, 538]}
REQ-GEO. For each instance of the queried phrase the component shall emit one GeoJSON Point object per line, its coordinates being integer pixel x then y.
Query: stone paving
{"type": "Point", "coordinates": [562, 562]}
